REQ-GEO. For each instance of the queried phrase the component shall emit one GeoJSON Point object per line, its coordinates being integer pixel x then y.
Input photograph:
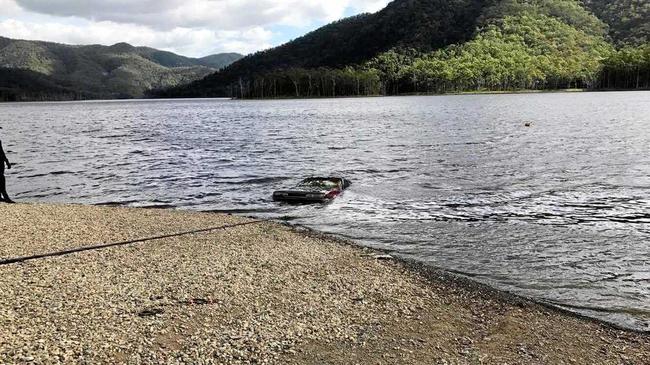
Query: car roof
{"type": "Point", "coordinates": [323, 178]}
{"type": "Point", "coordinates": [334, 179]}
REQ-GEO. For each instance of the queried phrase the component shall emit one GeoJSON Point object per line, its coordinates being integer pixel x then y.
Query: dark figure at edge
{"type": "Point", "coordinates": [3, 190]}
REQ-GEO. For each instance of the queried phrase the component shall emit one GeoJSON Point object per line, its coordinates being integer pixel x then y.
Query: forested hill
{"type": "Point", "coordinates": [433, 46]}
{"type": "Point", "coordinates": [26, 85]}
{"type": "Point", "coordinates": [421, 24]}
{"type": "Point", "coordinates": [628, 20]}
{"type": "Point", "coordinates": [94, 71]}
{"type": "Point", "coordinates": [417, 24]}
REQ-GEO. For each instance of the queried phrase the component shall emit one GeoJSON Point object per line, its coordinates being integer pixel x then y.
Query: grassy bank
{"type": "Point", "coordinates": [259, 292]}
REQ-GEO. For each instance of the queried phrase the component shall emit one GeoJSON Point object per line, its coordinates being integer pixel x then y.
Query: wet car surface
{"type": "Point", "coordinates": [313, 190]}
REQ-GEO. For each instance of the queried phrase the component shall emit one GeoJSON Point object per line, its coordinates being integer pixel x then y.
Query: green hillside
{"type": "Point", "coordinates": [421, 24]}
{"type": "Point", "coordinates": [538, 44]}
{"type": "Point", "coordinates": [26, 85]}
{"type": "Point", "coordinates": [628, 20]}
{"type": "Point", "coordinates": [117, 71]}
{"type": "Point", "coordinates": [434, 46]}
{"type": "Point", "coordinates": [169, 59]}
{"type": "Point", "coordinates": [219, 61]}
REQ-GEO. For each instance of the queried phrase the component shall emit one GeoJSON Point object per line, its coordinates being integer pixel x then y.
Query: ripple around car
{"type": "Point", "coordinates": [313, 190]}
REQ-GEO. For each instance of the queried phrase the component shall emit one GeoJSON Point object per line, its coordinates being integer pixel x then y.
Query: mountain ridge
{"type": "Point", "coordinates": [404, 47]}
{"type": "Point", "coordinates": [120, 70]}
{"type": "Point", "coordinates": [358, 38]}
{"type": "Point", "coordinates": [410, 46]}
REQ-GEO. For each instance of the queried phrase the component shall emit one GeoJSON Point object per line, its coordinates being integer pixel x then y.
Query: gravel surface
{"type": "Point", "coordinates": [33, 229]}
{"type": "Point", "coordinates": [260, 293]}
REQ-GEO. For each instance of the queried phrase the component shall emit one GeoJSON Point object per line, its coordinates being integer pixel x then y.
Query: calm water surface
{"type": "Point", "coordinates": [559, 211]}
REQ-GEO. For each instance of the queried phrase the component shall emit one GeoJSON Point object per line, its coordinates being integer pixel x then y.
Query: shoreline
{"type": "Point", "coordinates": [428, 271]}
{"type": "Point", "coordinates": [435, 273]}
{"type": "Point", "coordinates": [458, 93]}
{"type": "Point", "coordinates": [357, 302]}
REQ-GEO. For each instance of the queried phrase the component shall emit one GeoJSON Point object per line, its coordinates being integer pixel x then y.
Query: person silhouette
{"type": "Point", "coordinates": [3, 189]}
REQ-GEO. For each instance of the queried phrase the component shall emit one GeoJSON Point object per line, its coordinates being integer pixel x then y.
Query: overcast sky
{"type": "Point", "coordinates": [188, 27]}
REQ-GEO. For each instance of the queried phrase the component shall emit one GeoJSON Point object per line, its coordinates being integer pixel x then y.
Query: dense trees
{"type": "Point", "coordinates": [627, 68]}
{"type": "Point", "coordinates": [528, 51]}
{"type": "Point", "coordinates": [628, 20]}
{"type": "Point", "coordinates": [425, 25]}
{"type": "Point", "coordinates": [25, 85]}
{"type": "Point", "coordinates": [411, 46]}
{"type": "Point", "coordinates": [534, 44]}
{"type": "Point", "coordinates": [305, 83]}
{"type": "Point", "coordinates": [416, 46]}
{"type": "Point", "coordinates": [543, 45]}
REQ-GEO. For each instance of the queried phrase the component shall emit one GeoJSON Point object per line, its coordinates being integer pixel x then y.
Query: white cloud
{"type": "Point", "coordinates": [369, 6]}
{"type": "Point", "coordinates": [8, 7]}
{"type": "Point", "coordinates": [223, 14]}
{"type": "Point", "coordinates": [191, 27]}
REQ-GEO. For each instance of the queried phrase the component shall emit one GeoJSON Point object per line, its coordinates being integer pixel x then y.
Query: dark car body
{"type": "Point", "coordinates": [313, 190]}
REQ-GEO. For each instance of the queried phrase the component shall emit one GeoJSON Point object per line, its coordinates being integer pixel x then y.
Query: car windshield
{"type": "Point", "coordinates": [319, 184]}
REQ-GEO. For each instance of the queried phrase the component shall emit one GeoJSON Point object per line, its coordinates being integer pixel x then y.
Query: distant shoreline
{"type": "Point", "coordinates": [486, 92]}
{"type": "Point", "coordinates": [509, 92]}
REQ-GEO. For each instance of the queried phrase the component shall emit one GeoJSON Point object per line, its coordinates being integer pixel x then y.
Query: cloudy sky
{"type": "Point", "coordinates": [188, 27]}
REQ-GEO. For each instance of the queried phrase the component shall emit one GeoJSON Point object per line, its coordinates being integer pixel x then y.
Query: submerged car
{"type": "Point", "coordinates": [313, 190]}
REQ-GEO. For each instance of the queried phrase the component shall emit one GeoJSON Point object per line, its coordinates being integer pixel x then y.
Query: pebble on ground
{"type": "Point", "coordinates": [261, 293]}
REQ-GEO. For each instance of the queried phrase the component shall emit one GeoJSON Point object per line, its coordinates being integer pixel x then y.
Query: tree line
{"type": "Point", "coordinates": [519, 45]}
{"type": "Point", "coordinates": [488, 63]}
{"type": "Point", "coordinates": [306, 83]}
{"type": "Point", "coordinates": [626, 68]}
{"type": "Point", "coordinates": [26, 85]}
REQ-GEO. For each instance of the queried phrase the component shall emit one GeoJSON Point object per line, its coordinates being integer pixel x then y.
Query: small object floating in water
{"type": "Point", "coordinates": [313, 190]}
{"type": "Point", "coordinates": [528, 124]}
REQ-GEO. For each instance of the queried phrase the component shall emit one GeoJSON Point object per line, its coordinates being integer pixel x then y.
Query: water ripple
{"type": "Point", "coordinates": [559, 212]}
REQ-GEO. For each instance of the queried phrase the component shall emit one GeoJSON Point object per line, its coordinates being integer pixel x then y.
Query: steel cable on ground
{"type": "Point", "coordinates": [15, 260]}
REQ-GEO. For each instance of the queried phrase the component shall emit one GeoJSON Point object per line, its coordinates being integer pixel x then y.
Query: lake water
{"type": "Point", "coordinates": [558, 211]}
